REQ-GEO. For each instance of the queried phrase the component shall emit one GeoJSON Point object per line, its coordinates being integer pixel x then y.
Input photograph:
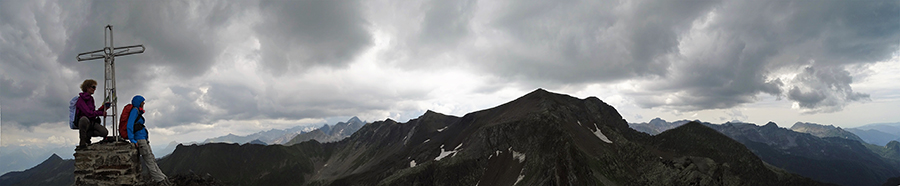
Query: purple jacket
{"type": "Point", "coordinates": [85, 106]}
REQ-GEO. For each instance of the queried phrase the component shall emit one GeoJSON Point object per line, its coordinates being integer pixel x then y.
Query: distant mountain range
{"type": "Point", "coordinates": [542, 138]}
{"type": "Point", "coordinates": [328, 133]}
{"type": "Point", "coordinates": [656, 126]}
{"type": "Point", "coordinates": [824, 153]}
{"type": "Point", "coordinates": [879, 134]}
{"type": "Point", "coordinates": [18, 158]}
{"type": "Point", "coordinates": [823, 131]}
{"type": "Point", "coordinates": [53, 171]}
{"type": "Point", "coordinates": [273, 136]}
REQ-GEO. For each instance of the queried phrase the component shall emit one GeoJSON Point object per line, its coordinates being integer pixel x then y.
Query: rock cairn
{"type": "Point", "coordinates": [108, 163]}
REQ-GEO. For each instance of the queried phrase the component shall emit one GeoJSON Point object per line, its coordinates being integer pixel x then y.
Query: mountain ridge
{"type": "Point", "coordinates": [824, 131]}
{"type": "Point", "coordinates": [328, 133]}
{"type": "Point", "coordinates": [828, 157]}
{"type": "Point", "coordinates": [52, 171]}
{"type": "Point", "coordinates": [271, 136]}
{"type": "Point", "coordinates": [541, 138]}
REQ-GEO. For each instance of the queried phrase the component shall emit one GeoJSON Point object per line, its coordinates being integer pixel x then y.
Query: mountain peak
{"type": "Point", "coordinates": [771, 125]}
{"type": "Point", "coordinates": [890, 145]}
{"type": "Point", "coordinates": [54, 157]}
{"type": "Point", "coordinates": [540, 90]}
{"type": "Point", "coordinates": [541, 93]}
{"type": "Point", "coordinates": [541, 98]}
{"type": "Point", "coordinates": [354, 120]}
{"type": "Point", "coordinates": [429, 112]}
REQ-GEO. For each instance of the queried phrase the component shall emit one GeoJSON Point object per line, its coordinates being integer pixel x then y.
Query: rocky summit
{"type": "Point", "coordinates": [107, 163]}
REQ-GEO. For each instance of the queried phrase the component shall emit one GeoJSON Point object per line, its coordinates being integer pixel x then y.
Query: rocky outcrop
{"type": "Point", "coordinates": [113, 163]}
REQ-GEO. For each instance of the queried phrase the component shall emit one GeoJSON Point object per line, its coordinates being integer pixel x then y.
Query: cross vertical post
{"type": "Point", "coordinates": [108, 53]}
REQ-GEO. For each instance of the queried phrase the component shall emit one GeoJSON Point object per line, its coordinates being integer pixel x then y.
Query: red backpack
{"type": "Point", "coordinates": [123, 121]}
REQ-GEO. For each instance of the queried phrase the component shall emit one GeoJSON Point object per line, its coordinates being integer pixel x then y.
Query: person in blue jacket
{"type": "Point", "coordinates": [137, 134]}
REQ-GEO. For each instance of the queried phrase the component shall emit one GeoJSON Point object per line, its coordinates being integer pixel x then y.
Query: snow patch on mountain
{"type": "Point", "coordinates": [519, 156]}
{"type": "Point", "coordinates": [447, 153]}
{"type": "Point", "coordinates": [521, 176]}
{"type": "Point", "coordinates": [601, 136]}
{"type": "Point", "coordinates": [443, 153]}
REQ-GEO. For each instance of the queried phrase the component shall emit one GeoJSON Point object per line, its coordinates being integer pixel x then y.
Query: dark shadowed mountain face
{"type": "Point", "coordinates": [542, 138]}
{"type": "Point", "coordinates": [890, 156]}
{"type": "Point", "coordinates": [53, 171]}
{"type": "Point", "coordinates": [830, 159]}
{"type": "Point", "coordinates": [892, 182]}
{"type": "Point", "coordinates": [825, 156]}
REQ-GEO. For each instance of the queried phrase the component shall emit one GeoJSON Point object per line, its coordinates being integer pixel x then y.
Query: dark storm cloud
{"type": "Point", "coordinates": [423, 31]}
{"type": "Point", "coordinates": [732, 59]}
{"type": "Point", "coordinates": [824, 89]}
{"type": "Point", "coordinates": [727, 74]}
{"type": "Point", "coordinates": [685, 55]}
{"type": "Point", "coordinates": [32, 87]}
{"type": "Point", "coordinates": [181, 36]}
{"type": "Point", "coordinates": [322, 98]}
{"type": "Point", "coordinates": [40, 42]}
{"type": "Point", "coordinates": [573, 42]}
{"type": "Point", "coordinates": [297, 35]}
{"type": "Point", "coordinates": [181, 109]}
{"type": "Point", "coordinates": [445, 24]}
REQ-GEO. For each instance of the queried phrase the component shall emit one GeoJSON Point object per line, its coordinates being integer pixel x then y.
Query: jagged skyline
{"type": "Point", "coordinates": [214, 68]}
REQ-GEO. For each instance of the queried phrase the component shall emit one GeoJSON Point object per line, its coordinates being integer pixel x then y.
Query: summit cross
{"type": "Point", "coordinates": [108, 54]}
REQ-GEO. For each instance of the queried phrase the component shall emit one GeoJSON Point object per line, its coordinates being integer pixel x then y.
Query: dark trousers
{"type": "Point", "coordinates": [88, 129]}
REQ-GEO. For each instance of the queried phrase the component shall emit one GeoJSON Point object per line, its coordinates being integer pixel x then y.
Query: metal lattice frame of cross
{"type": "Point", "coordinates": [108, 54]}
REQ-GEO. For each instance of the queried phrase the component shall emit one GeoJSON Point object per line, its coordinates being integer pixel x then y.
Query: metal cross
{"type": "Point", "coordinates": [109, 53]}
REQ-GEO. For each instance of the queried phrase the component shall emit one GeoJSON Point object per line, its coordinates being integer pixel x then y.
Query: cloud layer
{"type": "Point", "coordinates": [209, 62]}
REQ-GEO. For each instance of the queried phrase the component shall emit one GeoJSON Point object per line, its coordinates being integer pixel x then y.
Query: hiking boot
{"type": "Point", "coordinates": [107, 139]}
{"type": "Point", "coordinates": [83, 144]}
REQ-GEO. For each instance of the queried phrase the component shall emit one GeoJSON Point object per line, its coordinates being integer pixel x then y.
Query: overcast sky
{"type": "Point", "coordinates": [217, 67]}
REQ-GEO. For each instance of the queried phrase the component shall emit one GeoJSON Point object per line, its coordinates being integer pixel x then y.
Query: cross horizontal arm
{"type": "Point", "coordinates": [90, 57]}
{"type": "Point", "coordinates": [127, 50]}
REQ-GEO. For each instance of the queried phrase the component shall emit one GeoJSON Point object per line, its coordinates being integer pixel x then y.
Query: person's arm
{"type": "Point", "coordinates": [103, 107]}
{"type": "Point", "coordinates": [86, 109]}
{"type": "Point", "coordinates": [131, 117]}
